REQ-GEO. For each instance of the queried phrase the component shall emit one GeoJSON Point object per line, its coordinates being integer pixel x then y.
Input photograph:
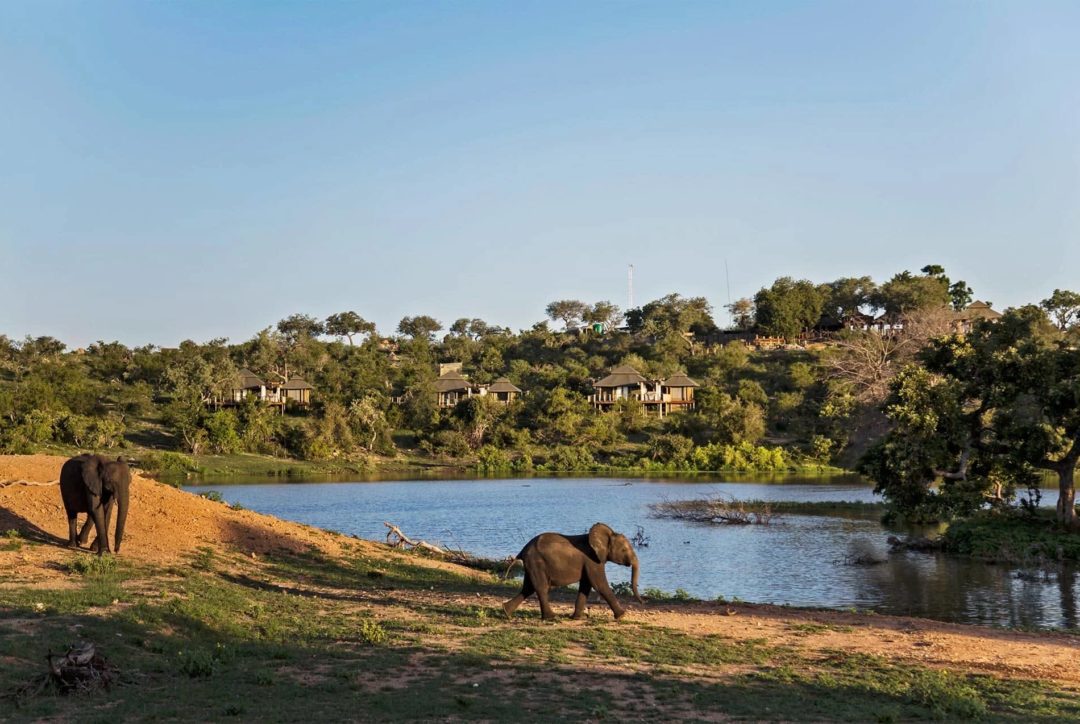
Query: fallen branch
{"type": "Point", "coordinates": [28, 483]}
{"type": "Point", "coordinates": [81, 670]}
{"type": "Point", "coordinates": [396, 539]}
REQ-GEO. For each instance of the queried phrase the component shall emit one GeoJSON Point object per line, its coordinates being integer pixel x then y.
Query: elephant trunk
{"type": "Point", "coordinates": [121, 518]}
{"type": "Point", "coordinates": [633, 579]}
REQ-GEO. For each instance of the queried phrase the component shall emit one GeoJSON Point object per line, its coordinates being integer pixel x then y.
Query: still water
{"type": "Point", "coordinates": [797, 560]}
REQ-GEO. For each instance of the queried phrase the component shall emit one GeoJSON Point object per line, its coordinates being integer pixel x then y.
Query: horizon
{"type": "Point", "coordinates": [200, 171]}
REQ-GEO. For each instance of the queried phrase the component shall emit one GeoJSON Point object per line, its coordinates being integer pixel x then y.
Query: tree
{"type": "Point", "coordinates": [720, 418]}
{"type": "Point", "coordinates": [300, 328]}
{"type": "Point", "coordinates": [742, 313]}
{"type": "Point", "coordinates": [848, 296]}
{"type": "Point", "coordinates": [984, 412]}
{"type": "Point", "coordinates": [960, 294]}
{"type": "Point", "coordinates": [604, 313]}
{"type": "Point", "coordinates": [569, 311]}
{"type": "Point", "coordinates": [906, 292]}
{"type": "Point", "coordinates": [788, 307]}
{"type": "Point", "coordinates": [348, 324]}
{"type": "Point", "coordinates": [296, 332]}
{"type": "Point", "coordinates": [1063, 308]}
{"type": "Point", "coordinates": [368, 420]}
{"type": "Point", "coordinates": [421, 327]}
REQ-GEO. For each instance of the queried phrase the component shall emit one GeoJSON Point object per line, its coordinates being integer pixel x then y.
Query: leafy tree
{"type": "Point", "coordinates": [848, 296]}
{"type": "Point", "coordinates": [906, 292]}
{"type": "Point", "coordinates": [985, 411]}
{"type": "Point", "coordinates": [300, 328]}
{"type": "Point", "coordinates": [604, 313]}
{"type": "Point", "coordinates": [421, 327]}
{"type": "Point", "coordinates": [368, 421]}
{"type": "Point", "coordinates": [960, 294]}
{"type": "Point", "coordinates": [672, 314]}
{"type": "Point", "coordinates": [1063, 308]}
{"type": "Point", "coordinates": [348, 324]}
{"type": "Point", "coordinates": [788, 307]}
{"type": "Point", "coordinates": [742, 313]}
{"type": "Point", "coordinates": [720, 418]}
{"type": "Point", "coordinates": [569, 311]}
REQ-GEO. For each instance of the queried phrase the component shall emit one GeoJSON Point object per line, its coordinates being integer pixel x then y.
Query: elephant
{"type": "Point", "coordinates": [554, 559]}
{"type": "Point", "coordinates": [91, 484]}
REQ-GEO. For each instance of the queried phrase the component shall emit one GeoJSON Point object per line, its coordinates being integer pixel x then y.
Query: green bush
{"type": "Point", "coordinates": [490, 459]}
{"type": "Point", "coordinates": [222, 434]}
{"type": "Point", "coordinates": [566, 458]}
{"type": "Point", "coordinates": [156, 463]}
{"type": "Point", "coordinates": [92, 565]}
{"type": "Point", "coordinates": [744, 457]}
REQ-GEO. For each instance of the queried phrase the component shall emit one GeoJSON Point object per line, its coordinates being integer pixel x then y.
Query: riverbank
{"type": "Point", "coordinates": [210, 612]}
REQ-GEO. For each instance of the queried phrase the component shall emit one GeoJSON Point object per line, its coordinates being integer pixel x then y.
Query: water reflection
{"type": "Point", "coordinates": [801, 560]}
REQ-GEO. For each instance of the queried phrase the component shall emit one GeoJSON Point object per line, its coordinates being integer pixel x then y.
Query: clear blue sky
{"type": "Point", "coordinates": [202, 169]}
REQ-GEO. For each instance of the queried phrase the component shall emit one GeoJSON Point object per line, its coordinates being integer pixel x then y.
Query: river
{"type": "Point", "coordinates": [798, 560]}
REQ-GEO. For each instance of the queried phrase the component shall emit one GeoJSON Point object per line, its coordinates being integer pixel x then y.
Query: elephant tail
{"type": "Point", "coordinates": [513, 562]}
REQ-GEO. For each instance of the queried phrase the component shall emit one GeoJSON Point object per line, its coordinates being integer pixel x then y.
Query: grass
{"type": "Point", "coordinates": [11, 540]}
{"type": "Point", "coordinates": [294, 635]}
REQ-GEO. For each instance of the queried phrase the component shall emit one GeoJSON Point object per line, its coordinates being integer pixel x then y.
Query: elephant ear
{"type": "Point", "coordinates": [91, 473]}
{"type": "Point", "coordinates": [600, 539]}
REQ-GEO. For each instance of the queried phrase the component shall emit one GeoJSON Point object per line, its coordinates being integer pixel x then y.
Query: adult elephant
{"type": "Point", "coordinates": [554, 559]}
{"type": "Point", "coordinates": [92, 484]}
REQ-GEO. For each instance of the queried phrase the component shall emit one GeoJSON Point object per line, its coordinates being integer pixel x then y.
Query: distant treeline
{"type": "Point", "coordinates": [374, 394]}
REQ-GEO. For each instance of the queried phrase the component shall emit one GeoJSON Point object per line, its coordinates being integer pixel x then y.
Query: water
{"type": "Point", "coordinates": [799, 560]}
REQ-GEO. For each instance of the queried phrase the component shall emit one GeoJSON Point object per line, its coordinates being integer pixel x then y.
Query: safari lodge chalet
{"type": "Point", "coordinates": [452, 387]}
{"type": "Point", "coordinates": [661, 397]}
{"type": "Point", "coordinates": [294, 391]}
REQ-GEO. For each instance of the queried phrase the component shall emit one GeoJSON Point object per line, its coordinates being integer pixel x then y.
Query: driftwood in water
{"type": "Point", "coordinates": [717, 509]}
{"type": "Point", "coordinates": [921, 544]}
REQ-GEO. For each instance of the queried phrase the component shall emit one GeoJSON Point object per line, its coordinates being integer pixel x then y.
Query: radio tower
{"type": "Point", "coordinates": [630, 288]}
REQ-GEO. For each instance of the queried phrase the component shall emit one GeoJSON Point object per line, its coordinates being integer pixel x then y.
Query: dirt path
{"type": "Point", "coordinates": [166, 526]}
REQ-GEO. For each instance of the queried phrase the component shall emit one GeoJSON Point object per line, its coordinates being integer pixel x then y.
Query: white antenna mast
{"type": "Point", "coordinates": [630, 288]}
{"type": "Point", "coordinates": [727, 278]}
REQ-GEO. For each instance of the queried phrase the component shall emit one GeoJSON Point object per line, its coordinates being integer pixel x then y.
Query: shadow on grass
{"type": "Point", "coordinates": [181, 667]}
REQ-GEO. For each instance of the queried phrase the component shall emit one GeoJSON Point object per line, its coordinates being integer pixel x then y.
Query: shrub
{"type": "Point", "coordinates": [92, 565]}
{"type": "Point", "coordinates": [490, 459]}
{"type": "Point", "coordinates": [570, 458]}
{"type": "Point", "coordinates": [371, 632]}
{"type": "Point", "coordinates": [221, 432]}
{"type": "Point", "coordinates": [156, 463]}
{"type": "Point", "coordinates": [450, 443]}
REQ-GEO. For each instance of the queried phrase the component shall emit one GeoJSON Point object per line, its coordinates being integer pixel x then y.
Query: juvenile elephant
{"type": "Point", "coordinates": [91, 484]}
{"type": "Point", "coordinates": [553, 559]}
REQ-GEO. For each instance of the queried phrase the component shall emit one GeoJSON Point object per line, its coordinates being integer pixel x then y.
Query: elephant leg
{"type": "Point", "coordinates": [543, 588]}
{"type": "Point", "coordinates": [84, 534]}
{"type": "Point", "coordinates": [73, 530]}
{"type": "Point", "coordinates": [582, 597]}
{"type": "Point", "coordinates": [526, 590]}
{"type": "Point", "coordinates": [102, 542]}
{"type": "Point", "coordinates": [602, 586]}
